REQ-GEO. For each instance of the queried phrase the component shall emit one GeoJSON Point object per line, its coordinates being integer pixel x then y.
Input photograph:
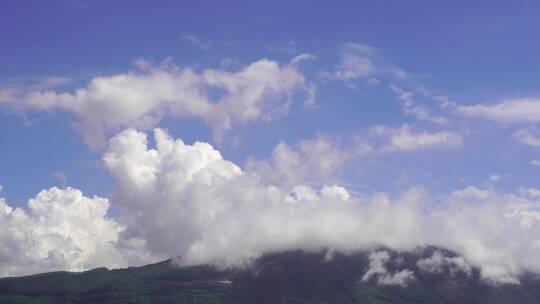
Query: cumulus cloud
{"type": "Point", "coordinates": [311, 160]}
{"type": "Point", "coordinates": [261, 90]}
{"type": "Point", "coordinates": [187, 200]}
{"type": "Point", "coordinates": [377, 269]}
{"type": "Point", "coordinates": [210, 210]}
{"type": "Point", "coordinates": [175, 177]}
{"type": "Point", "coordinates": [487, 227]}
{"type": "Point", "coordinates": [518, 110]}
{"type": "Point", "coordinates": [61, 229]}
{"type": "Point", "coordinates": [320, 159]}
{"type": "Point", "coordinates": [179, 199]}
{"type": "Point", "coordinates": [405, 138]}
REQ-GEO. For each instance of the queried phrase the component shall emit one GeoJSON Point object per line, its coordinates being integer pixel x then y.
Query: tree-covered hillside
{"type": "Point", "coordinates": [290, 277]}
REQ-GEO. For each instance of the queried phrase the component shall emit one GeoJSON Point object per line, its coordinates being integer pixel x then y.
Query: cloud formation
{"type": "Point", "coordinates": [178, 199]}
{"type": "Point", "coordinates": [518, 110]}
{"type": "Point", "coordinates": [261, 90]}
{"type": "Point", "coordinates": [211, 211]}
{"type": "Point", "coordinates": [439, 263]}
{"type": "Point", "coordinates": [404, 138]}
{"type": "Point", "coordinates": [527, 137]}
{"type": "Point", "coordinates": [411, 106]}
{"type": "Point", "coordinates": [362, 62]}
{"type": "Point", "coordinates": [321, 159]}
{"type": "Point", "coordinates": [61, 229]}
{"type": "Point", "coordinates": [202, 44]}
{"type": "Point", "coordinates": [377, 269]}
{"type": "Point", "coordinates": [308, 161]}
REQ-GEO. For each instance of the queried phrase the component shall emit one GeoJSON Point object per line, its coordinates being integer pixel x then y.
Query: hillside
{"type": "Point", "coordinates": [290, 277]}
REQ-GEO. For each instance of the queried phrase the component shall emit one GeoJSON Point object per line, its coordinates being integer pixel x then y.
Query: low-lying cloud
{"type": "Point", "coordinates": [178, 199]}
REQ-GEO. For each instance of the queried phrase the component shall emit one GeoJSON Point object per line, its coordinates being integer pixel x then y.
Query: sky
{"type": "Point", "coordinates": [127, 126]}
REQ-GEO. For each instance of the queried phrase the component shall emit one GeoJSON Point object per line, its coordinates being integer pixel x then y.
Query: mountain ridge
{"type": "Point", "coordinates": [285, 277]}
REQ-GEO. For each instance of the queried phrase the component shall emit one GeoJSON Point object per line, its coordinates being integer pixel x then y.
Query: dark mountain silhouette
{"type": "Point", "coordinates": [289, 277]}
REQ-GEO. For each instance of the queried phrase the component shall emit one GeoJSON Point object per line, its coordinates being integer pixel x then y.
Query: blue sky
{"type": "Point", "coordinates": [474, 53]}
{"type": "Point", "coordinates": [375, 96]}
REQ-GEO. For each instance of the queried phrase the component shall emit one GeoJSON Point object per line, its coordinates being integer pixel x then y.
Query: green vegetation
{"type": "Point", "coordinates": [292, 277]}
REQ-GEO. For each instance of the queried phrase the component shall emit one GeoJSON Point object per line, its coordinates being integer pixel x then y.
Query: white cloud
{"type": "Point", "coordinates": [60, 230]}
{"type": "Point", "coordinates": [175, 177]}
{"type": "Point", "coordinates": [35, 83]}
{"type": "Point", "coordinates": [51, 82]}
{"type": "Point", "coordinates": [527, 137]}
{"type": "Point", "coordinates": [494, 177]}
{"type": "Point", "coordinates": [361, 62]}
{"type": "Point", "coordinates": [518, 110]}
{"type": "Point", "coordinates": [312, 160]}
{"type": "Point", "coordinates": [535, 163]}
{"type": "Point", "coordinates": [319, 160]}
{"type": "Point", "coordinates": [410, 106]}
{"type": "Point", "coordinates": [532, 192]}
{"type": "Point", "coordinates": [209, 210]}
{"type": "Point", "coordinates": [336, 192]}
{"type": "Point", "coordinates": [439, 263]}
{"type": "Point", "coordinates": [494, 231]}
{"type": "Point", "coordinates": [310, 88]}
{"type": "Point", "coordinates": [187, 200]}
{"type": "Point", "coordinates": [259, 91]}
{"type": "Point", "coordinates": [289, 48]}
{"type": "Point", "coordinates": [302, 57]}
{"type": "Point", "coordinates": [377, 269]}
{"type": "Point", "coordinates": [202, 44]}
{"type": "Point", "coordinates": [353, 66]}
{"type": "Point", "coordinates": [405, 138]}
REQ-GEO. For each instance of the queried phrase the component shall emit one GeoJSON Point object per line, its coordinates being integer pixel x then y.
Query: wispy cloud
{"type": "Point", "coordinates": [405, 138]}
{"type": "Point", "coordinates": [411, 107]}
{"type": "Point", "coordinates": [362, 65]}
{"type": "Point", "coordinates": [362, 62]}
{"type": "Point", "coordinates": [517, 110]}
{"type": "Point", "coordinates": [289, 48]}
{"type": "Point", "coordinates": [200, 43]}
{"type": "Point", "coordinates": [527, 137]}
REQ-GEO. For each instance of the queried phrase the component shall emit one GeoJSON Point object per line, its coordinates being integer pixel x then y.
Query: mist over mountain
{"type": "Point", "coordinates": [427, 275]}
{"type": "Point", "coordinates": [180, 199]}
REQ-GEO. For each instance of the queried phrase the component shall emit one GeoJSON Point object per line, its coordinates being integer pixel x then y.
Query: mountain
{"type": "Point", "coordinates": [289, 277]}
